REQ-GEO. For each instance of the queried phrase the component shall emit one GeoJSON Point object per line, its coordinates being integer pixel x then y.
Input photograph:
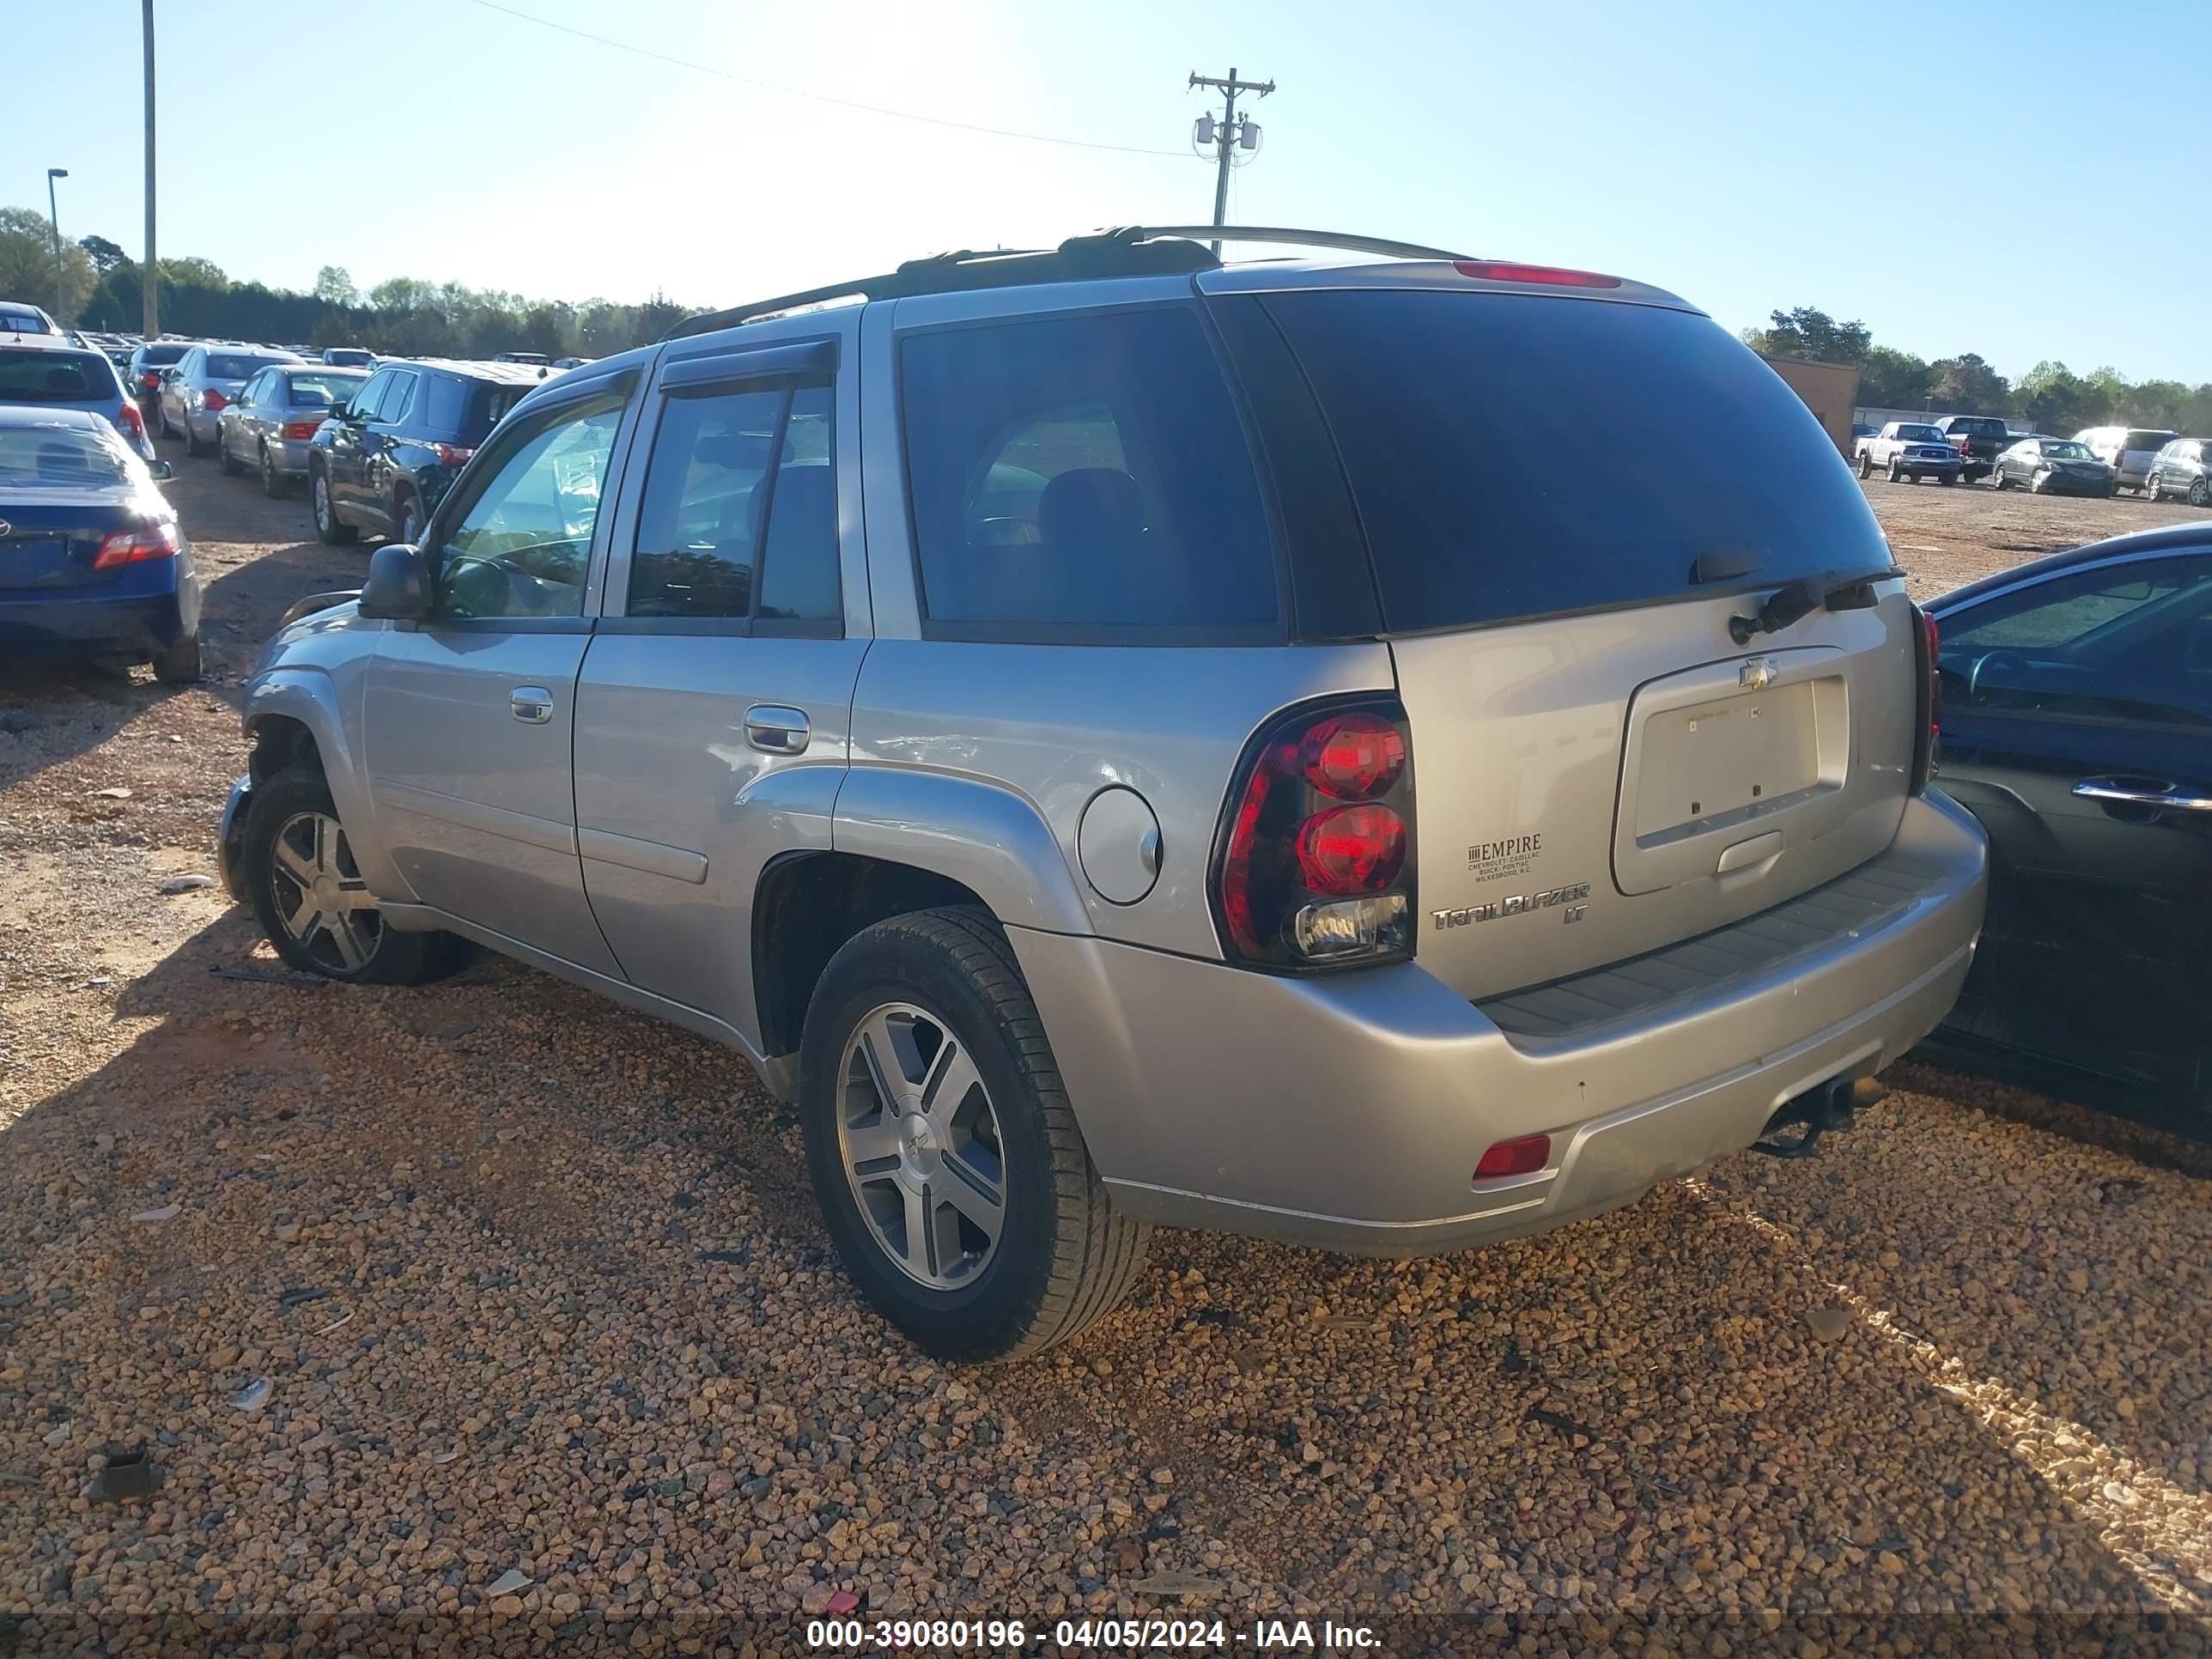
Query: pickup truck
{"type": "Point", "coordinates": [1909, 449]}
{"type": "Point", "coordinates": [1979, 438]}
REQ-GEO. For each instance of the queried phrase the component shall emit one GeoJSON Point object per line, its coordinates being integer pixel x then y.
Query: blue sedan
{"type": "Point", "coordinates": [2077, 726]}
{"type": "Point", "coordinates": [93, 566]}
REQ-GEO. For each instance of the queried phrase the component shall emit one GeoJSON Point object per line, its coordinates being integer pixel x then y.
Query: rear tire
{"type": "Point", "coordinates": [181, 663]}
{"type": "Point", "coordinates": [407, 517]}
{"type": "Point", "coordinates": [272, 482]}
{"type": "Point", "coordinates": [295, 806]}
{"type": "Point", "coordinates": [328, 526]}
{"type": "Point", "coordinates": [1060, 1258]}
{"type": "Point", "coordinates": [2200, 492]}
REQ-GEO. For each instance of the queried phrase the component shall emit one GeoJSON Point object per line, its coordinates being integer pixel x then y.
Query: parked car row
{"type": "Point", "coordinates": [2101, 461]}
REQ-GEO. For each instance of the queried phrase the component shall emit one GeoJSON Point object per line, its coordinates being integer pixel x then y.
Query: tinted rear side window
{"type": "Point", "coordinates": [1084, 472]}
{"type": "Point", "coordinates": [56, 377]}
{"type": "Point", "coordinates": [1465, 423]}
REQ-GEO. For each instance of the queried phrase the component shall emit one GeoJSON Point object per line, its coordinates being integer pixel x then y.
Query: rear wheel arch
{"type": "Point", "coordinates": [806, 906]}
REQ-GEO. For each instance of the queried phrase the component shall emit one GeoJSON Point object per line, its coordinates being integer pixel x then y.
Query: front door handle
{"type": "Point", "coordinates": [531, 703]}
{"type": "Point", "coordinates": [2138, 792]}
{"type": "Point", "coordinates": [774, 730]}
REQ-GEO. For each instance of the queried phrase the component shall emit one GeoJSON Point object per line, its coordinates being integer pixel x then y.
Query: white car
{"type": "Point", "coordinates": [2128, 450]}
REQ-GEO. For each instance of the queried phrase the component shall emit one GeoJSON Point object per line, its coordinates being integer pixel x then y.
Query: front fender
{"type": "Point", "coordinates": [309, 695]}
{"type": "Point", "coordinates": [986, 838]}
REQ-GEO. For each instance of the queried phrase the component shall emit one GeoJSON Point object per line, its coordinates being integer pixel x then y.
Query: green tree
{"type": "Point", "coordinates": [104, 254]}
{"type": "Point", "coordinates": [1812, 334]}
{"type": "Point", "coordinates": [1890, 378]}
{"type": "Point", "coordinates": [28, 270]}
{"type": "Point", "coordinates": [1966, 386]}
{"type": "Point", "coordinates": [334, 286]}
{"type": "Point", "coordinates": [2057, 399]}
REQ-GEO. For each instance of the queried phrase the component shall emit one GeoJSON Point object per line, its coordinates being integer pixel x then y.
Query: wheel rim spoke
{"type": "Point", "coordinates": [301, 924]}
{"type": "Point", "coordinates": [294, 864]}
{"type": "Point", "coordinates": [346, 933]}
{"type": "Point", "coordinates": [952, 1075]}
{"type": "Point", "coordinates": [919, 1139]}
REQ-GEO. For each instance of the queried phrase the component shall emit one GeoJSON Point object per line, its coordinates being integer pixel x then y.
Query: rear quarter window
{"type": "Point", "coordinates": [1464, 423]}
{"type": "Point", "coordinates": [1074, 474]}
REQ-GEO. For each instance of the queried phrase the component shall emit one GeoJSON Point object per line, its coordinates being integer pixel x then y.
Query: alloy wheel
{"type": "Point", "coordinates": [321, 899]}
{"type": "Point", "coordinates": [920, 1144]}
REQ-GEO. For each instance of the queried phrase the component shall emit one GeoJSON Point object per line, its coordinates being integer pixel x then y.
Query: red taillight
{"type": "Point", "coordinates": [1928, 700]}
{"type": "Point", "coordinates": [131, 420]}
{"type": "Point", "coordinates": [212, 399]}
{"type": "Point", "coordinates": [1511, 1158]}
{"type": "Point", "coordinates": [1500, 270]}
{"type": "Point", "coordinates": [153, 541]}
{"type": "Point", "coordinates": [1353, 756]}
{"type": "Point", "coordinates": [452, 454]}
{"type": "Point", "coordinates": [1352, 849]}
{"type": "Point", "coordinates": [300, 429]}
{"type": "Point", "coordinates": [1315, 867]}
{"type": "Point", "coordinates": [151, 380]}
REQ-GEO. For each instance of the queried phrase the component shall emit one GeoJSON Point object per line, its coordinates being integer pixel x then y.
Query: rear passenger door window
{"type": "Point", "coordinates": [1083, 477]}
{"type": "Point", "coordinates": [737, 526]}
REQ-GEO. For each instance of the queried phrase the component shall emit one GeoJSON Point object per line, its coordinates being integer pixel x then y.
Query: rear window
{"type": "Point", "coordinates": [1083, 473]}
{"type": "Point", "coordinates": [22, 322]}
{"type": "Point", "coordinates": [56, 377]}
{"type": "Point", "coordinates": [2149, 439]}
{"type": "Point", "coordinates": [236, 365]}
{"type": "Point", "coordinates": [57, 458]}
{"type": "Point", "coordinates": [466, 409]}
{"type": "Point", "coordinates": [1983, 426]}
{"type": "Point", "coordinates": [322, 391]}
{"type": "Point", "coordinates": [348, 356]}
{"type": "Point", "coordinates": [1464, 423]}
{"type": "Point", "coordinates": [1920, 435]}
{"type": "Point", "coordinates": [158, 356]}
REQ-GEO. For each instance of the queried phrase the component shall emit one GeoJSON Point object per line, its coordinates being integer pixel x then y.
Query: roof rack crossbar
{"type": "Point", "coordinates": [1121, 251]}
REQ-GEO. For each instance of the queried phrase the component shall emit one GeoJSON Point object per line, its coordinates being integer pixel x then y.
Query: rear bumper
{"type": "Point", "coordinates": [144, 610]}
{"type": "Point", "coordinates": [288, 456]}
{"type": "Point", "coordinates": [1349, 1113]}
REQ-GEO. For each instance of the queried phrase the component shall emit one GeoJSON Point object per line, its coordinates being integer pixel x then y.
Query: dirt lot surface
{"type": "Point", "coordinates": [537, 1293]}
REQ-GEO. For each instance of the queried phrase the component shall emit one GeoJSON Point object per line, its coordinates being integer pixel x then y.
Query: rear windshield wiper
{"type": "Point", "coordinates": [1827, 590]}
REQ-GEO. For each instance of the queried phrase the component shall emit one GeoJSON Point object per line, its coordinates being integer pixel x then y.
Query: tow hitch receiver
{"type": "Point", "coordinates": [1831, 1105]}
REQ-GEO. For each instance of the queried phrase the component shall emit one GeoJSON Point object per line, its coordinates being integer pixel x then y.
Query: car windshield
{"type": "Point", "coordinates": [1920, 435]}
{"type": "Point", "coordinates": [60, 457]}
{"type": "Point", "coordinates": [2065, 449]}
{"type": "Point", "coordinates": [322, 391]}
{"type": "Point", "coordinates": [55, 377]}
{"type": "Point", "coordinates": [236, 365]}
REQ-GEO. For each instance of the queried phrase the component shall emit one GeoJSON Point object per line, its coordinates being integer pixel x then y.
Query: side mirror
{"type": "Point", "coordinates": [162, 470]}
{"type": "Point", "coordinates": [398, 586]}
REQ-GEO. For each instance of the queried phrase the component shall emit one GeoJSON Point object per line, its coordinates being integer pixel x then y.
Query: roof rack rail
{"type": "Point", "coordinates": [1122, 250]}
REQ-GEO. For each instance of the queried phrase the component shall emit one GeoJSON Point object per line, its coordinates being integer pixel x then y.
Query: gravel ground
{"type": "Point", "coordinates": [537, 1293]}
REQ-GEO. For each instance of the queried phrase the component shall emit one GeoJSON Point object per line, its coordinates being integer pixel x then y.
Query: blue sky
{"type": "Point", "coordinates": [1959, 178]}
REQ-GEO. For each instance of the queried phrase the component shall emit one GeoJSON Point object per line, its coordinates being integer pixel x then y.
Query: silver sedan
{"type": "Point", "coordinates": [270, 425]}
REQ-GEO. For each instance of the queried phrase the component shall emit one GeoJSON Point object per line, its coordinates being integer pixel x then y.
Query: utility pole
{"type": "Point", "coordinates": [54, 224]}
{"type": "Point", "coordinates": [1231, 134]}
{"type": "Point", "coordinates": [149, 282]}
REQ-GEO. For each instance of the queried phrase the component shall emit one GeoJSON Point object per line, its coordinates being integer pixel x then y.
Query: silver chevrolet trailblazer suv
{"type": "Point", "coordinates": [1116, 737]}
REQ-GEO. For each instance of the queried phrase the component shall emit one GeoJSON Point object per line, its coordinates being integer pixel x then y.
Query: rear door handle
{"type": "Point", "coordinates": [2134, 792]}
{"type": "Point", "coordinates": [531, 703]}
{"type": "Point", "coordinates": [774, 730]}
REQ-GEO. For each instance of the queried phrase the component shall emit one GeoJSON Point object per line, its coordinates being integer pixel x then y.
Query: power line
{"type": "Point", "coordinates": [815, 97]}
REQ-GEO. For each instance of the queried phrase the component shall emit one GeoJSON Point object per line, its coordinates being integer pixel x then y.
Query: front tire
{"type": "Point", "coordinates": [1896, 473]}
{"type": "Point", "coordinates": [942, 1151]}
{"type": "Point", "coordinates": [308, 895]}
{"type": "Point", "coordinates": [223, 458]}
{"type": "Point", "coordinates": [181, 663]}
{"type": "Point", "coordinates": [1866, 464]}
{"type": "Point", "coordinates": [328, 526]}
{"type": "Point", "coordinates": [1998, 478]}
{"type": "Point", "coordinates": [193, 447]}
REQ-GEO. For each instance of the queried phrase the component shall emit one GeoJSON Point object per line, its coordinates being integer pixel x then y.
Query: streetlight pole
{"type": "Point", "coordinates": [54, 224]}
{"type": "Point", "coordinates": [149, 282]}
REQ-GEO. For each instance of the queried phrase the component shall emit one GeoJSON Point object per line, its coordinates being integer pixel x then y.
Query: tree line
{"type": "Point", "coordinates": [96, 285]}
{"type": "Point", "coordinates": [2050, 397]}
